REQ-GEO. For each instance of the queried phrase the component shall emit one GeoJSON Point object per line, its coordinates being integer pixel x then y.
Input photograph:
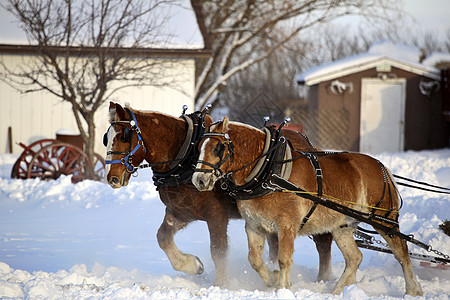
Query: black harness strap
{"type": "Point", "coordinates": [319, 176]}
{"type": "Point", "coordinates": [181, 172]}
{"type": "Point", "coordinates": [423, 189]}
{"type": "Point", "coordinates": [272, 165]}
{"type": "Point", "coordinates": [306, 218]}
{"type": "Point", "coordinates": [387, 180]}
{"type": "Point", "coordinates": [278, 184]}
{"type": "Point", "coordinates": [422, 183]}
{"type": "Point", "coordinates": [273, 161]}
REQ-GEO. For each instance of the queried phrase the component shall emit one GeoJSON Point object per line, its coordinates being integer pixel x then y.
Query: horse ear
{"type": "Point", "coordinates": [224, 125]}
{"type": "Point", "coordinates": [112, 111]}
{"type": "Point", "coordinates": [208, 121]}
{"type": "Point", "coordinates": [120, 111]}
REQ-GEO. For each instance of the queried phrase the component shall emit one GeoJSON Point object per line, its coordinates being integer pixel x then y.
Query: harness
{"type": "Point", "coordinates": [127, 160]}
{"type": "Point", "coordinates": [269, 179]}
{"type": "Point", "coordinates": [181, 168]}
{"type": "Point", "coordinates": [275, 159]}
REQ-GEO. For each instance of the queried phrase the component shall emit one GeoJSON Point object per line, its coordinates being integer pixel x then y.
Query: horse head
{"type": "Point", "coordinates": [124, 144]}
{"type": "Point", "coordinates": [216, 156]}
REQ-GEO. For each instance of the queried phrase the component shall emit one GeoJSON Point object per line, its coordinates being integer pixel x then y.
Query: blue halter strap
{"type": "Point", "coordinates": [127, 160]}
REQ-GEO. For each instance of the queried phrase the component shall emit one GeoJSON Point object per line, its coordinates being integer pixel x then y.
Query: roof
{"type": "Point", "coordinates": [129, 52]}
{"type": "Point", "coordinates": [385, 53]}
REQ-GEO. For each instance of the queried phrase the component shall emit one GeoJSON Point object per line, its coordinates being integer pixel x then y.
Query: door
{"type": "Point", "coordinates": [382, 115]}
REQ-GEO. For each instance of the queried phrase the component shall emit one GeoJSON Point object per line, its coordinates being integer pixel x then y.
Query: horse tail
{"type": "Point", "coordinates": [390, 192]}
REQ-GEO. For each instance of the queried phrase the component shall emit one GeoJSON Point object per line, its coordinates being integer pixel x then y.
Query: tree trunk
{"type": "Point", "coordinates": [90, 140]}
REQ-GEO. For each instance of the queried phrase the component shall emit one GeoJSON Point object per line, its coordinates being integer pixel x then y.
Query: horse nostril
{"type": "Point", "coordinates": [201, 184]}
{"type": "Point", "coordinates": [114, 180]}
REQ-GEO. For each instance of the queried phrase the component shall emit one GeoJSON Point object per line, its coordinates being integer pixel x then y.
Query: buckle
{"type": "Point", "coordinates": [319, 173]}
{"type": "Point", "coordinates": [224, 186]}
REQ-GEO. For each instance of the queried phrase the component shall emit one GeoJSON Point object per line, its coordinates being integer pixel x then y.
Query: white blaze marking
{"type": "Point", "coordinates": [201, 156]}
{"type": "Point", "coordinates": [110, 134]}
{"type": "Point", "coordinates": [202, 153]}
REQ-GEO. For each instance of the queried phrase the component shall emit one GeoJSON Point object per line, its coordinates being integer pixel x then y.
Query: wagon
{"type": "Point", "coordinates": [50, 158]}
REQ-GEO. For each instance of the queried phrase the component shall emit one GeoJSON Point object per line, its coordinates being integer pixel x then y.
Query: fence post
{"type": "Point", "coordinates": [10, 145]}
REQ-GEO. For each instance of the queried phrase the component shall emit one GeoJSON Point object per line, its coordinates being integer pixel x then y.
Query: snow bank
{"type": "Point", "coordinates": [60, 240]}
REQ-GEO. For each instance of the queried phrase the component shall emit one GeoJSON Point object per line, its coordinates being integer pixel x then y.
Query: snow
{"type": "Point", "coordinates": [436, 58]}
{"type": "Point", "coordinates": [62, 240]}
{"type": "Point", "coordinates": [65, 131]}
{"type": "Point", "coordinates": [398, 51]}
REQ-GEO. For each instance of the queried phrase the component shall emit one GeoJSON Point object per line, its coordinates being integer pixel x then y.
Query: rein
{"type": "Point", "coordinates": [127, 160]}
{"type": "Point", "coordinates": [261, 184]}
{"type": "Point", "coordinates": [272, 182]}
{"type": "Point", "coordinates": [444, 189]}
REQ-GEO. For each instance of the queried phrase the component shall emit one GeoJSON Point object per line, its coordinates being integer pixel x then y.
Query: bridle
{"type": "Point", "coordinates": [127, 160]}
{"type": "Point", "coordinates": [219, 150]}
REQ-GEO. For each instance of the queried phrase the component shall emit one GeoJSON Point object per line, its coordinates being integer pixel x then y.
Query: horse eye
{"type": "Point", "coordinates": [219, 150]}
{"type": "Point", "coordinates": [105, 139]}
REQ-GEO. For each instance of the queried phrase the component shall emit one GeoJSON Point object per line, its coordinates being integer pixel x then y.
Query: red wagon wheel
{"type": "Point", "coordinates": [99, 167]}
{"type": "Point", "coordinates": [59, 159]}
{"type": "Point", "coordinates": [21, 165]}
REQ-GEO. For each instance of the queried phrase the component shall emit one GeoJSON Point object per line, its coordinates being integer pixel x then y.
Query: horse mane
{"type": "Point", "coordinates": [112, 112]}
{"type": "Point", "coordinates": [244, 125]}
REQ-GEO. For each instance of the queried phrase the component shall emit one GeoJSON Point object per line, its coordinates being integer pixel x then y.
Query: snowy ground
{"type": "Point", "coordinates": [59, 240]}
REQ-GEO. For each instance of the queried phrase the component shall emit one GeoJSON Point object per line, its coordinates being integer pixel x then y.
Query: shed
{"type": "Point", "coordinates": [382, 100]}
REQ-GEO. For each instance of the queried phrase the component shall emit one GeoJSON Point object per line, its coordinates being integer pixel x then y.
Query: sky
{"type": "Point", "coordinates": [433, 14]}
{"type": "Point", "coordinates": [183, 26]}
{"type": "Point", "coordinates": [430, 14]}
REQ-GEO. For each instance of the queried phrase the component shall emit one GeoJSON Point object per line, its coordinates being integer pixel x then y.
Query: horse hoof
{"type": "Point", "coordinates": [190, 265]}
{"type": "Point", "coordinates": [417, 291]}
{"type": "Point", "coordinates": [274, 277]}
{"type": "Point", "coordinates": [328, 276]}
{"type": "Point", "coordinates": [200, 267]}
{"type": "Point", "coordinates": [194, 265]}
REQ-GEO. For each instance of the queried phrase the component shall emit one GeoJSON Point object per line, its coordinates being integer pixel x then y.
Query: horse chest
{"type": "Point", "coordinates": [255, 219]}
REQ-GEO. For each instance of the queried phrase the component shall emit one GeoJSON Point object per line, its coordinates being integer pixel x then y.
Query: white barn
{"type": "Point", "coordinates": [38, 115]}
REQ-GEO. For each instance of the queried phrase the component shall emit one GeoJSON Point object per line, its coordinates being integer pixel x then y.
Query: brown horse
{"type": "Point", "coordinates": [162, 137]}
{"type": "Point", "coordinates": [352, 177]}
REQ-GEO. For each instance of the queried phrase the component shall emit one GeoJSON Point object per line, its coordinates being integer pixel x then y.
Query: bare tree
{"type": "Point", "coordinates": [233, 28]}
{"type": "Point", "coordinates": [84, 51]}
{"type": "Point", "coordinates": [274, 77]}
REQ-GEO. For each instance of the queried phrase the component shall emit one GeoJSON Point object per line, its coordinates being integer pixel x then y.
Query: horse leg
{"type": "Point", "coordinates": [186, 263]}
{"type": "Point", "coordinates": [272, 242]}
{"type": "Point", "coordinates": [400, 251]}
{"type": "Point", "coordinates": [323, 246]}
{"type": "Point", "coordinates": [219, 248]}
{"type": "Point", "coordinates": [255, 250]}
{"type": "Point", "coordinates": [353, 257]}
{"type": "Point", "coordinates": [286, 237]}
